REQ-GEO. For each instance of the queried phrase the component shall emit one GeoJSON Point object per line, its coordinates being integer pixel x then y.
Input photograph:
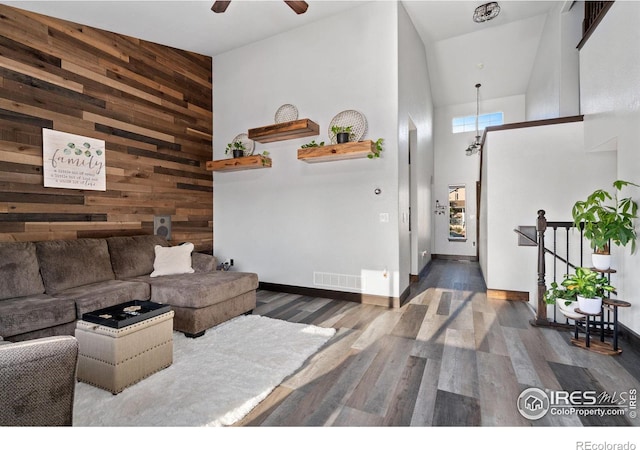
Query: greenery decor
{"type": "Point", "coordinates": [375, 153]}
{"type": "Point", "coordinates": [336, 129]}
{"type": "Point", "coordinates": [235, 147]}
{"type": "Point", "coordinates": [607, 218]}
{"type": "Point", "coordinates": [264, 154]}
{"type": "Point", "coordinates": [313, 144]}
{"type": "Point", "coordinates": [584, 282]}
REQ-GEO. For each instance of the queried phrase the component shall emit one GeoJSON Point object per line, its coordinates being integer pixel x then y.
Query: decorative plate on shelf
{"type": "Point", "coordinates": [286, 113]}
{"type": "Point", "coordinates": [354, 119]}
{"type": "Point", "coordinates": [249, 144]}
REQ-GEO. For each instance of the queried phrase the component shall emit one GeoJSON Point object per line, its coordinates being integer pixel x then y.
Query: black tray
{"type": "Point", "coordinates": [119, 318]}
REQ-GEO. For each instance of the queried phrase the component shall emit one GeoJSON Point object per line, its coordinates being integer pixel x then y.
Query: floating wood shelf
{"type": "Point", "coordinates": [235, 164]}
{"type": "Point", "coordinates": [337, 152]}
{"type": "Point", "coordinates": [283, 131]}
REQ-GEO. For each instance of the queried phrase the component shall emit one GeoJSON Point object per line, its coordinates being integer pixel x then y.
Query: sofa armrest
{"type": "Point", "coordinates": [201, 262]}
{"type": "Point", "coordinates": [38, 379]}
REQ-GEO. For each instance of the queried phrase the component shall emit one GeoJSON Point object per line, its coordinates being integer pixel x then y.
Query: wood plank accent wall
{"type": "Point", "coordinates": [152, 104]}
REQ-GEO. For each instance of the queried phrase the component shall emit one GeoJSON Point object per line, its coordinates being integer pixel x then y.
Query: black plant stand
{"type": "Point", "coordinates": [614, 304]}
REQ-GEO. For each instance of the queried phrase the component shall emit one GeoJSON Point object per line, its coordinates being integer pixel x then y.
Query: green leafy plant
{"type": "Point", "coordinates": [375, 153]}
{"type": "Point", "coordinates": [607, 218]}
{"type": "Point", "coordinates": [313, 144]}
{"type": "Point", "coordinates": [342, 134]}
{"type": "Point", "coordinates": [558, 292]}
{"type": "Point", "coordinates": [236, 145]}
{"type": "Point", "coordinates": [264, 154]}
{"type": "Point", "coordinates": [584, 282]}
{"type": "Point", "coordinates": [335, 129]}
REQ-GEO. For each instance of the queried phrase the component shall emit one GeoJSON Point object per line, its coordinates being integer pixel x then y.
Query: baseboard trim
{"type": "Point", "coordinates": [455, 257]}
{"type": "Point", "coordinates": [367, 299]}
{"type": "Point", "coordinates": [416, 278]}
{"type": "Point", "coordinates": [515, 296]}
{"type": "Point", "coordinates": [629, 336]}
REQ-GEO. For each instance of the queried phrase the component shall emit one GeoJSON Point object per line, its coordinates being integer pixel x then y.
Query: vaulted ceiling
{"type": "Point", "coordinates": [499, 54]}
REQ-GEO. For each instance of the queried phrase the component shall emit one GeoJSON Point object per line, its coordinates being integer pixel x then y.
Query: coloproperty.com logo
{"type": "Point", "coordinates": [535, 403]}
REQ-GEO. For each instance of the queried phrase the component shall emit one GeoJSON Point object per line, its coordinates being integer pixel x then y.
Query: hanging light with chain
{"type": "Point", "coordinates": [474, 147]}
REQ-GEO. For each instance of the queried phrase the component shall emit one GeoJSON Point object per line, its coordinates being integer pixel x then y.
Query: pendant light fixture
{"type": "Point", "coordinates": [475, 146]}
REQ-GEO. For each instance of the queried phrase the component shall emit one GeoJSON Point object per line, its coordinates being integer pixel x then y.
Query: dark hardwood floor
{"type": "Point", "coordinates": [449, 356]}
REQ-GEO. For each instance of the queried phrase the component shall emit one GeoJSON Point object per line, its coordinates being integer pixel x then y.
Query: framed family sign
{"type": "Point", "coordinates": [73, 162]}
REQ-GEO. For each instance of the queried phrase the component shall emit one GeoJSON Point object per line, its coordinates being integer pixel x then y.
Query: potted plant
{"type": "Point", "coordinates": [607, 220]}
{"type": "Point", "coordinates": [342, 134]}
{"type": "Point", "coordinates": [237, 148]}
{"type": "Point", "coordinates": [559, 295]}
{"type": "Point", "coordinates": [585, 286]}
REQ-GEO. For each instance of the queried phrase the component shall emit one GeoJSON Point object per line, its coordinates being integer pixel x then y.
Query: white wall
{"type": "Point", "coordinates": [415, 111]}
{"type": "Point", "coordinates": [529, 169]}
{"type": "Point", "coordinates": [553, 86]}
{"type": "Point", "coordinates": [453, 166]}
{"type": "Point", "coordinates": [294, 219]}
{"type": "Point", "coordinates": [610, 99]}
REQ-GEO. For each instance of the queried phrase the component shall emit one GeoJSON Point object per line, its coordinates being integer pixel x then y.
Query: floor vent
{"type": "Point", "coordinates": [337, 280]}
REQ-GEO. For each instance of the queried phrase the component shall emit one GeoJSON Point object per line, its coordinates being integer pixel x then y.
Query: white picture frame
{"type": "Point", "coordinates": [71, 161]}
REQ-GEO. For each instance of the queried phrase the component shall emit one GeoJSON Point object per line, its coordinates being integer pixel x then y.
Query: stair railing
{"type": "Point", "coordinates": [542, 225]}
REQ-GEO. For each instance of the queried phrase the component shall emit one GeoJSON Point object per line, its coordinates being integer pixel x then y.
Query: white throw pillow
{"type": "Point", "coordinates": [172, 260]}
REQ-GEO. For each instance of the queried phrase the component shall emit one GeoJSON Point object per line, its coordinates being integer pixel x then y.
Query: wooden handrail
{"type": "Point", "coordinates": [547, 250]}
{"type": "Point", "coordinates": [594, 12]}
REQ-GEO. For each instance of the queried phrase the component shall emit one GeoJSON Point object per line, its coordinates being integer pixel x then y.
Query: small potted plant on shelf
{"type": "Point", "coordinates": [607, 219]}
{"type": "Point", "coordinates": [586, 287]}
{"type": "Point", "coordinates": [237, 148]}
{"type": "Point", "coordinates": [342, 134]}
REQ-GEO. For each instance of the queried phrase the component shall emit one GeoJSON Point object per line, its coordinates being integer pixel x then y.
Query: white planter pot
{"type": "Point", "coordinates": [569, 311]}
{"type": "Point", "coordinates": [590, 305]}
{"type": "Point", "coordinates": [601, 262]}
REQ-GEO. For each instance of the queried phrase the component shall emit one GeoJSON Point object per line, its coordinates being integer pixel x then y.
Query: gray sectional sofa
{"type": "Point", "coordinates": [46, 286]}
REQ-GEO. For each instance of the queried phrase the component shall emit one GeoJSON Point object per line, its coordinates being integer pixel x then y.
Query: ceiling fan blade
{"type": "Point", "coordinates": [298, 7]}
{"type": "Point", "coordinates": [220, 7]}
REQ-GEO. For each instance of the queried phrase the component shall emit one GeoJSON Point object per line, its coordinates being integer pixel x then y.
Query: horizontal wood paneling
{"type": "Point", "coordinates": [152, 105]}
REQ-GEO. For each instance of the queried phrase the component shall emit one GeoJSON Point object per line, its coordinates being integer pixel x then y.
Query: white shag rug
{"type": "Point", "coordinates": [215, 380]}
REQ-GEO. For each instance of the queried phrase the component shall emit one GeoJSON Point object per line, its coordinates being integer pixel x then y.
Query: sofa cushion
{"type": "Point", "coordinates": [25, 314]}
{"type": "Point", "coordinates": [172, 260]}
{"type": "Point", "coordinates": [198, 290]}
{"type": "Point", "coordinates": [132, 256]}
{"type": "Point", "coordinates": [67, 264]}
{"type": "Point", "coordinates": [20, 270]}
{"type": "Point", "coordinates": [201, 262]}
{"type": "Point", "coordinates": [95, 296]}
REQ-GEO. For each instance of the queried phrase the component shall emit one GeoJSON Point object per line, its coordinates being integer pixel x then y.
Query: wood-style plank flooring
{"type": "Point", "coordinates": [449, 356]}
